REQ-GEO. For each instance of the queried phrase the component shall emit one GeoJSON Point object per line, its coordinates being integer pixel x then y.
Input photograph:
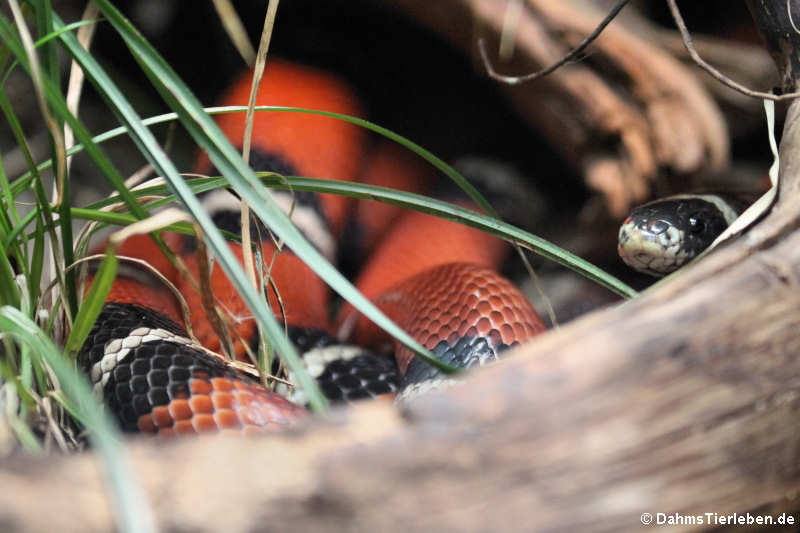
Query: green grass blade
{"type": "Point", "coordinates": [36, 264]}
{"type": "Point", "coordinates": [462, 215]}
{"type": "Point", "coordinates": [42, 203]}
{"type": "Point", "coordinates": [59, 107]}
{"type": "Point", "coordinates": [403, 199]}
{"type": "Point", "coordinates": [49, 52]}
{"type": "Point", "coordinates": [132, 510]}
{"type": "Point", "coordinates": [557, 254]}
{"type": "Point", "coordinates": [10, 212]}
{"type": "Point", "coordinates": [428, 156]}
{"type": "Point", "coordinates": [46, 39]}
{"type": "Point", "coordinates": [93, 303]}
{"type": "Point", "coordinates": [396, 197]}
{"type": "Point", "coordinates": [416, 202]}
{"type": "Point", "coordinates": [9, 293]}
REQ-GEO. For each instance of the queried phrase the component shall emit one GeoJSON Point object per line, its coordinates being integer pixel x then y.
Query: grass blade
{"type": "Point", "coordinates": [59, 106]}
{"type": "Point", "coordinates": [407, 200]}
{"type": "Point", "coordinates": [133, 512]}
{"type": "Point", "coordinates": [93, 302]}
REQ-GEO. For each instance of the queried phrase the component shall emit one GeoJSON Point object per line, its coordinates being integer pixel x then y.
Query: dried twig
{"type": "Point", "coordinates": [515, 80]}
{"type": "Point", "coordinates": [76, 76]}
{"type": "Point", "coordinates": [258, 71]}
{"type": "Point", "coordinates": [716, 74]}
{"type": "Point", "coordinates": [235, 29]}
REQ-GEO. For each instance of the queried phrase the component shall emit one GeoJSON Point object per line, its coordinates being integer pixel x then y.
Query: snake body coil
{"type": "Point", "coordinates": [435, 278]}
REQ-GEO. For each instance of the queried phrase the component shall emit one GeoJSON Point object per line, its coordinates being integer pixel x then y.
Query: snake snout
{"type": "Point", "coordinates": [650, 246]}
{"type": "Point", "coordinates": [661, 236]}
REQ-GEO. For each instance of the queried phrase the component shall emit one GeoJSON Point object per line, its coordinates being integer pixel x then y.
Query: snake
{"type": "Point", "coordinates": [436, 279]}
{"type": "Point", "coordinates": [659, 237]}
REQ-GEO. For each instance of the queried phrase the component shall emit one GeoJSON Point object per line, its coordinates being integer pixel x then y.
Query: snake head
{"type": "Point", "coordinates": [661, 236]}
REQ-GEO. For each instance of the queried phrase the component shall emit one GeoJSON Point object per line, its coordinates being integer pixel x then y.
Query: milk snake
{"type": "Point", "coordinates": [435, 278]}
{"type": "Point", "coordinates": [661, 236]}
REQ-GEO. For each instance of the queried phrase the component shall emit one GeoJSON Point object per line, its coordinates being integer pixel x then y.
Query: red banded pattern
{"type": "Point", "coordinates": [433, 277]}
{"type": "Point", "coordinates": [438, 281]}
{"type": "Point", "coordinates": [156, 380]}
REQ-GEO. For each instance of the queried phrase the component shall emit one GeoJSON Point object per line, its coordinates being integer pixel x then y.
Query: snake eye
{"type": "Point", "coordinates": [657, 227]}
{"type": "Point", "coordinates": [696, 225]}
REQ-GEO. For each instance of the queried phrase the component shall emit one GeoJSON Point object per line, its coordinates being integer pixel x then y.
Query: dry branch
{"type": "Point", "coordinates": [624, 114]}
{"type": "Point", "coordinates": [749, 64]}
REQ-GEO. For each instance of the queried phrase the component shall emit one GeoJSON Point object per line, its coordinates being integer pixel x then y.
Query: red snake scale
{"type": "Point", "coordinates": [435, 278]}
